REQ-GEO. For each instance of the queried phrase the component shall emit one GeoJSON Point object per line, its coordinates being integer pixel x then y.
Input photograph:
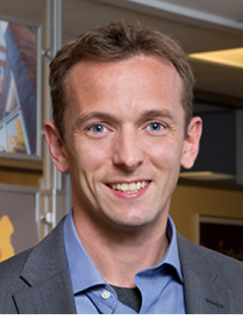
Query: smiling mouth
{"type": "Point", "coordinates": [130, 188]}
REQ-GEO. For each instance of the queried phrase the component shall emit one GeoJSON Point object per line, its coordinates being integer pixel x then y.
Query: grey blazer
{"type": "Point", "coordinates": [38, 280]}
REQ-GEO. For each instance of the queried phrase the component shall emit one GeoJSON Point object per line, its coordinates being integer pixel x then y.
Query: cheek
{"type": "Point", "coordinates": [89, 156]}
{"type": "Point", "coordinates": [164, 154]}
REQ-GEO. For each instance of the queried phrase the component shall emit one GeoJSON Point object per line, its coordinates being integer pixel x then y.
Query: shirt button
{"type": "Point", "coordinates": [105, 294]}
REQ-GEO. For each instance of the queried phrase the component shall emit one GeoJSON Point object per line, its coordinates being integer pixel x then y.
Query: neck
{"type": "Point", "coordinates": [120, 254]}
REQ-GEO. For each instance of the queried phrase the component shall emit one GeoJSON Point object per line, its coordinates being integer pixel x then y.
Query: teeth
{"type": "Point", "coordinates": [124, 187]}
{"type": "Point", "coordinates": [130, 188]}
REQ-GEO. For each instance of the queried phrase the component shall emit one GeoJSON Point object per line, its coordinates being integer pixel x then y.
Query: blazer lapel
{"type": "Point", "coordinates": [48, 287]}
{"type": "Point", "coordinates": [202, 295]}
{"type": "Point", "coordinates": [52, 296]}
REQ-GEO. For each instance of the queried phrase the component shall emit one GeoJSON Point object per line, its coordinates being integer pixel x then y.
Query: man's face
{"type": "Point", "coordinates": [124, 139]}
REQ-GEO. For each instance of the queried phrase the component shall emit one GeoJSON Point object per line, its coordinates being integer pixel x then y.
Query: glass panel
{"type": "Point", "coordinates": [2, 140]}
{"type": "Point", "coordinates": [16, 140]}
{"type": "Point", "coordinates": [12, 102]}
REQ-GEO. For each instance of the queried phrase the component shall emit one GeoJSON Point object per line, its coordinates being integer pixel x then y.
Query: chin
{"type": "Point", "coordinates": [132, 222]}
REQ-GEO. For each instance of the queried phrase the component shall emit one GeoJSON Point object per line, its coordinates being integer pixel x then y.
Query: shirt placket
{"type": "Point", "coordinates": [103, 298]}
{"type": "Point", "coordinates": [106, 301]}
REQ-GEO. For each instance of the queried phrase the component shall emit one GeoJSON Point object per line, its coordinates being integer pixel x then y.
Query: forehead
{"type": "Point", "coordinates": [123, 84]}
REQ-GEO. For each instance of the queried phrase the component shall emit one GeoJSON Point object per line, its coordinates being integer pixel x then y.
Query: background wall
{"type": "Point", "coordinates": [20, 172]}
{"type": "Point", "coordinates": [189, 201]}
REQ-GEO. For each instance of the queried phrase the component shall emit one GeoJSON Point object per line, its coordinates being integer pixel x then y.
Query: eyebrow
{"type": "Point", "coordinates": [157, 113]}
{"type": "Point", "coordinates": [94, 115]}
{"type": "Point", "coordinates": [106, 116]}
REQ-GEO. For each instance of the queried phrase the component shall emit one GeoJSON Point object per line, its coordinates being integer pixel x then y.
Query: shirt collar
{"type": "Point", "coordinates": [172, 255]}
{"type": "Point", "coordinates": [83, 271]}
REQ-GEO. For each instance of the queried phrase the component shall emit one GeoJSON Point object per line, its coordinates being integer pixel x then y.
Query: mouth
{"type": "Point", "coordinates": [129, 188]}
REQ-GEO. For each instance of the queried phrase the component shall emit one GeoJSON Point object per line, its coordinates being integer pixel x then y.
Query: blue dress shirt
{"type": "Point", "coordinates": [161, 286]}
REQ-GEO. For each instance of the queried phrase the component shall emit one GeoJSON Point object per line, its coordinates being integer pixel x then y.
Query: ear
{"type": "Point", "coordinates": [191, 143]}
{"type": "Point", "coordinates": [56, 147]}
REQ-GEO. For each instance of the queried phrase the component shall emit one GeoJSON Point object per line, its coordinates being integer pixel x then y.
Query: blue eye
{"type": "Point", "coordinates": [98, 128]}
{"type": "Point", "coordinates": [155, 127]}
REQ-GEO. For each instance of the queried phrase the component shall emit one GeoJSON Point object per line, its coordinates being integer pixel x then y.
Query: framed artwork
{"type": "Point", "coordinates": [20, 90]}
{"type": "Point", "coordinates": [222, 235]}
{"type": "Point", "coordinates": [19, 219]}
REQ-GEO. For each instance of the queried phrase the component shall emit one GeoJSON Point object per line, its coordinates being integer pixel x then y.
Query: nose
{"type": "Point", "coordinates": [128, 153]}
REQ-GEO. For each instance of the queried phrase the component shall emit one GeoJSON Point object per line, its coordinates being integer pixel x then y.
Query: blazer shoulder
{"type": "Point", "coordinates": [10, 281]}
{"type": "Point", "coordinates": [206, 261]}
{"type": "Point", "coordinates": [32, 268]}
{"type": "Point", "coordinates": [13, 266]}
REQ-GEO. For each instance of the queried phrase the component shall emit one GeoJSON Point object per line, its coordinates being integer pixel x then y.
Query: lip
{"type": "Point", "coordinates": [124, 195]}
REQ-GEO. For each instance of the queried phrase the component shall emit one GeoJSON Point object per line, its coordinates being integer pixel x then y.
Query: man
{"type": "Point", "coordinates": [123, 126]}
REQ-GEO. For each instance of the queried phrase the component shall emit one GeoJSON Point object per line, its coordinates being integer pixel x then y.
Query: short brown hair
{"type": "Point", "coordinates": [116, 41]}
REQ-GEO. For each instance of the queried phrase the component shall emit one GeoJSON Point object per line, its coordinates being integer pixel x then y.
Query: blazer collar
{"type": "Point", "coordinates": [47, 278]}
